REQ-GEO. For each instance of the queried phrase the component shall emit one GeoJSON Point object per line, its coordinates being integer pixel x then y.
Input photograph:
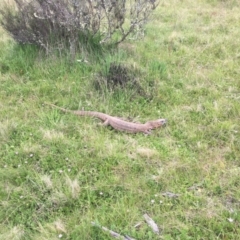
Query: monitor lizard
{"type": "Point", "coordinates": [118, 123]}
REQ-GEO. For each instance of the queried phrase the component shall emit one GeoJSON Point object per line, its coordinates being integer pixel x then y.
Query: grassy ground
{"type": "Point", "coordinates": [58, 172]}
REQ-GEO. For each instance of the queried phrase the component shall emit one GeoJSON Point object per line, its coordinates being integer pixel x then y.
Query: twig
{"type": "Point", "coordinates": [137, 225]}
{"type": "Point", "coordinates": [151, 224]}
{"type": "Point", "coordinates": [170, 195]}
{"type": "Point", "coordinates": [112, 233]}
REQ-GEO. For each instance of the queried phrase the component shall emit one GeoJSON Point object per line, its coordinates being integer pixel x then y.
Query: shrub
{"type": "Point", "coordinates": [116, 77]}
{"type": "Point", "coordinates": [53, 24]}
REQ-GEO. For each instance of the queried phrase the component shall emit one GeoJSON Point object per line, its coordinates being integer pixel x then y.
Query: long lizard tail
{"type": "Point", "coordinates": [60, 108]}
{"type": "Point", "coordinates": [99, 115]}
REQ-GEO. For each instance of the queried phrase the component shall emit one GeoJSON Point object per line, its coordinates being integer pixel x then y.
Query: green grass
{"type": "Point", "coordinates": [59, 173]}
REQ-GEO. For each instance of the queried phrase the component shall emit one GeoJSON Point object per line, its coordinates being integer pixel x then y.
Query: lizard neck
{"type": "Point", "coordinates": [153, 124]}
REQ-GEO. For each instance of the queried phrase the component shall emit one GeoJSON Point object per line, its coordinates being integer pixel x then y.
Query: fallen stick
{"type": "Point", "coordinates": [170, 195]}
{"type": "Point", "coordinates": [112, 233]}
{"type": "Point", "coordinates": [151, 223]}
{"type": "Point", "coordinates": [137, 225]}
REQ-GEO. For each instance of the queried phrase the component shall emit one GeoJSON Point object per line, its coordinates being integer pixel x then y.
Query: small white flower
{"type": "Point", "coordinates": [66, 158]}
{"type": "Point", "coordinates": [69, 170]}
{"type": "Point", "coordinates": [230, 220]}
{"type": "Point", "coordinates": [155, 195]}
{"type": "Point", "coordinates": [160, 201]}
{"type": "Point", "coordinates": [16, 153]}
{"type": "Point", "coordinates": [26, 161]}
{"type": "Point", "coordinates": [152, 201]}
{"type": "Point", "coordinates": [19, 165]}
{"type": "Point", "coordinates": [5, 166]}
{"type": "Point", "coordinates": [60, 235]}
{"type": "Point", "coordinates": [21, 197]}
{"type": "Point", "coordinates": [31, 155]}
{"type": "Point", "coordinates": [60, 171]}
{"type": "Point", "coordinates": [101, 193]}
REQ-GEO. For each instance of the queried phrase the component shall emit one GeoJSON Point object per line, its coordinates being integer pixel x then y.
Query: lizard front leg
{"type": "Point", "coordinates": [147, 132]}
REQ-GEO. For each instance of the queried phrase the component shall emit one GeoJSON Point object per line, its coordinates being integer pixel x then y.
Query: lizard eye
{"type": "Point", "coordinates": [163, 121]}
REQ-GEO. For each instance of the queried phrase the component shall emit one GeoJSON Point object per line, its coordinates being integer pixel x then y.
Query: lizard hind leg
{"type": "Point", "coordinates": [106, 122]}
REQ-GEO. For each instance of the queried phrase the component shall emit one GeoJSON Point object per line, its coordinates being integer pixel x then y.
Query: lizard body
{"type": "Point", "coordinates": [118, 123]}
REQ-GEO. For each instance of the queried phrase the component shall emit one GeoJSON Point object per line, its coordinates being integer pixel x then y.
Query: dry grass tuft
{"type": "Point", "coordinates": [52, 135]}
{"type": "Point", "coordinates": [47, 181]}
{"type": "Point", "coordinates": [60, 226]}
{"type": "Point", "coordinates": [73, 186]}
{"type": "Point", "coordinates": [146, 152]}
{"type": "Point", "coordinates": [16, 233]}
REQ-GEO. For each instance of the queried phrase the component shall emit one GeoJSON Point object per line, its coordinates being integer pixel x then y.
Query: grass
{"type": "Point", "coordinates": [58, 172]}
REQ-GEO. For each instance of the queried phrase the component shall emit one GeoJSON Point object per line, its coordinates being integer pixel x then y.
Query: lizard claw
{"type": "Point", "coordinates": [148, 132]}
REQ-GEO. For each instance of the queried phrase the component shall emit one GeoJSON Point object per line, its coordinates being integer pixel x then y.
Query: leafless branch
{"type": "Point", "coordinates": [49, 23]}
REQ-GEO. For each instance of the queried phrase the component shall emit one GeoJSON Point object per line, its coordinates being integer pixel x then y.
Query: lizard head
{"type": "Point", "coordinates": [158, 123]}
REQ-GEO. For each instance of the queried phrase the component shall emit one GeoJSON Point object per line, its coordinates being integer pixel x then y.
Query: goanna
{"type": "Point", "coordinates": [118, 123]}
